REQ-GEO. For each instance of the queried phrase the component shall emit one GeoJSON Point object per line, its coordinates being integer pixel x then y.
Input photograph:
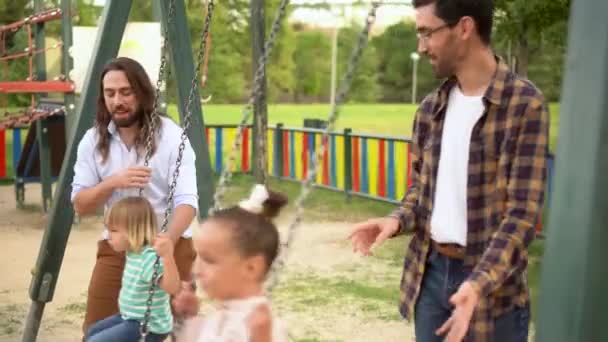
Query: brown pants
{"type": "Point", "coordinates": [104, 287]}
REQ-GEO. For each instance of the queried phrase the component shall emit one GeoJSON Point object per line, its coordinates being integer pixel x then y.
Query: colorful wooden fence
{"type": "Point", "coordinates": [10, 150]}
{"type": "Point", "coordinates": [367, 165]}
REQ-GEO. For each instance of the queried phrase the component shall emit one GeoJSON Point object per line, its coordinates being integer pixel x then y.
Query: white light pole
{"type": "Point", "coordinates": [334, 64]}
{"type": "Point", "coordinates": [415, 57]}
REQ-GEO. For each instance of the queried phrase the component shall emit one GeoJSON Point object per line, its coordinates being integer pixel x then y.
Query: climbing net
{"type": "Point", "coordinates": [30, 85]}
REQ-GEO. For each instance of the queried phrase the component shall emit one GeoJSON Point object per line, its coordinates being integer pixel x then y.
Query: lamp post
{"type": "Point", "coordinates": [334, 64]}
{"type": "Point", "coordinates": [415, 57]}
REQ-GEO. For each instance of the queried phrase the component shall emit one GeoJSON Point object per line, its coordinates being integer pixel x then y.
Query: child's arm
{"type": "Point", "coordinates": [260, 324]}
{"type": "Point", "coordinates": [163, 245]}
{"type": "Point", "coordinates": [185, 302]}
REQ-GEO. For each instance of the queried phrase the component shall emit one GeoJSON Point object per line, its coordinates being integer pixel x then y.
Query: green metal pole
{"type": "Point", "coordinates": [183, 65]}
{"type": "Point", "coordinates": [44, 153]}
{"type": "Point", "coordinates": [41, 125]}
{"type": "Point", "coordinates": [52, 249]}
{"type": "Point", "coordinates": [278, 151]}
{"type": "Point", "coordinates": [67, 64]}
{"type": "Point", "coordinates": [573, 296]}
{"type": "Point", "coordinates": [157, 15]}
{"type": "Point", "coordinates": [348, 162]}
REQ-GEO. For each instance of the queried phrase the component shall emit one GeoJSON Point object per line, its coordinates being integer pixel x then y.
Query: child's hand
{"type": "Point", "coordinates": [260, 324]}
{"type": "Point", "coordinates": [163, 245]}
{"type": "Point", "coordinates": [185, 303]}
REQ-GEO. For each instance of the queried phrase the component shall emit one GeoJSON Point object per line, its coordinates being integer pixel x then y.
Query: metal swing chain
{"type": "Point", "coordinates": [317, 161]}
{"type": "Point", "coordinates": [155, 116]}
{"type": "Point", "coordinates": [255, 94]}
{"type": "Point", "coordinates": [185, 126]}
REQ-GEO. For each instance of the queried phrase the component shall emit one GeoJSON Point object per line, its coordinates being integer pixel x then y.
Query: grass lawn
{"type": "Point", "coordinates": [389, 119]}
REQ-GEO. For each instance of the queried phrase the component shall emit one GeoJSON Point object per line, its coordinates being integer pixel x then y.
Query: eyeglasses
{"type": "Point", "coordinates": [426, 34]}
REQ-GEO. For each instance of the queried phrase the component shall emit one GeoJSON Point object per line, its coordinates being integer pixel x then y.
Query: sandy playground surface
{"type": "Point", "coordinates": [315, 250]}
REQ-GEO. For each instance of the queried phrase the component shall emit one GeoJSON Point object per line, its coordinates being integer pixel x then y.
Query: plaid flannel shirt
{"type": "Point", "coordinates": [506, 182]}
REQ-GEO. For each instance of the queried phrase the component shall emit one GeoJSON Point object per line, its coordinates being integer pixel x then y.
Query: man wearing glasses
{"type": "Point", "coordinates": [479, 153]}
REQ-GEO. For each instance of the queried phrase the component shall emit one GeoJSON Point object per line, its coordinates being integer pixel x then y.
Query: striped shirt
{"type": "Point", "coordinates": [505, 191]}
{"type": "Point", "coordinates": [136, 281]}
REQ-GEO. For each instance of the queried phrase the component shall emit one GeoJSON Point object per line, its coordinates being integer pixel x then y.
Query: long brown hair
{"type": "Point", "coordinates": [144, 93]}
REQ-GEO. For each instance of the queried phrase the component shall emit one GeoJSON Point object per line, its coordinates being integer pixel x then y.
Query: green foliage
{"type": "Point", "coordinates": [531, 32]}
{"type": "Point", "coordinates": [395, 66]}
{"type": "Point", "coordinates": [365, 87]}
{"type": "Point", "coordinates": [281, 67]}
{"type": "Point", "coordinates": [312, 71]}
{"type": "Point", "coordinates": [532, 27]}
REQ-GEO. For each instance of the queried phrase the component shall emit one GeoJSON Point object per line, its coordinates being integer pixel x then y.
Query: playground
{"type": "Point", "coordinates": [341, 159]}
{"type": "Point", "coordinates": [325, 293]}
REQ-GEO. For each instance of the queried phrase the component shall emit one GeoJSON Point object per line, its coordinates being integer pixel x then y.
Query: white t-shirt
{"type": "Point", "coordinates": [90, 171]}
{"type": "Point", "coordinates": [449, 216]}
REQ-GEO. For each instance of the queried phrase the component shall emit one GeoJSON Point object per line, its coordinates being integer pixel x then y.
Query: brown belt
{"type": "Point", "coordinates": [450, 250]}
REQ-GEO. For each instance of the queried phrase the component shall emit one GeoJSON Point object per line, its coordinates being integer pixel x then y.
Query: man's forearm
{"type": "Point", "coordinates": [182, 218]}
{"type": "Point", "coordinates": [88, 200]}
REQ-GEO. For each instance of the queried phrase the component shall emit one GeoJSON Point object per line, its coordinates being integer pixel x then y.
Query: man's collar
{"type": "Point", "coordinates": [112, 129]}
{"type": "Point", "coordinates": [492, 95]}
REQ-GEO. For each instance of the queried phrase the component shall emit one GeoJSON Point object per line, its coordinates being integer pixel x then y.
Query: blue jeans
{"type": "Point", "coordinates": [116, 329]}
{"type": "Point", "coordinates": [442, 278]}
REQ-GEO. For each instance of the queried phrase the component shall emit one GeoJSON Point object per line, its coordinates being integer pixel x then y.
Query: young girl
{"type": "Point", "coordinates": [132, 225]}
{"type": "Point", "coordinates": [235, 250]}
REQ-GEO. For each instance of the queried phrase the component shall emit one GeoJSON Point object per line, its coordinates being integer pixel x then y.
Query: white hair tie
{"type": "Point", "coordinates": [255, 202]}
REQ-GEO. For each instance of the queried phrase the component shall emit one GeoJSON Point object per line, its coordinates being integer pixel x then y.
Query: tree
{"type": "Point", "coordinates": [393, 49]}
{"type": "Point", "coordinates": [526, 23]}
{"type": "Point", "coordinates": [312, 57]}
{"type": "Point", "coordinates": [229, 37]}
{"type": "Point", "coordinates": [364, 87]}
{"type": "Point", "coordinates": [12, 10]}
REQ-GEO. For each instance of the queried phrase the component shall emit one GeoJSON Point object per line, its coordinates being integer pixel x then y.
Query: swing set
{"type": "Point", "coordinates": [572, 299]}
{"type": "Point", "coordinates": [176, 46]}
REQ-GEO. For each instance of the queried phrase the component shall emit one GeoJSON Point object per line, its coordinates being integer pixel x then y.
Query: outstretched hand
{"type": "Point", "coordinates": [372, 233]}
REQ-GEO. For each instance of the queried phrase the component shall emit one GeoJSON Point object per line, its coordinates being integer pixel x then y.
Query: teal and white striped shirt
{"type": "Point", "coordinates": [136, 281]}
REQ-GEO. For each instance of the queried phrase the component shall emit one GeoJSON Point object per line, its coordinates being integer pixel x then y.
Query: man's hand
{"type": "Point", "coordinates": [464, 300]}
{"type": "Point", "coordinates": [132, 177]}
{"type": "Point", "coordinates": [372, 233]}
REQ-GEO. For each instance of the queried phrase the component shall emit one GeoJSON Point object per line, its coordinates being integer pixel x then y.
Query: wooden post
{"type": "Point", "coordinates": [260, 112]}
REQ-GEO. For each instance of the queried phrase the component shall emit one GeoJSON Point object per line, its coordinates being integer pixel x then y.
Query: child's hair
{"type": "Point", "coordinates": [137, 216]}
{"type": "Point", "coordinates": [253, 233]}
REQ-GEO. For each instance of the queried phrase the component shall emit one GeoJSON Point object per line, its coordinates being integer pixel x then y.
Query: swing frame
{"type": "Point", "coordinates": [111, 29]}
{"type": "Point", "coordinates": [177, 40]}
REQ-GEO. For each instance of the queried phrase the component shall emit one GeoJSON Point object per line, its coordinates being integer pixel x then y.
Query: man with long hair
{"type": "Point", "coordinates": [109, 166]}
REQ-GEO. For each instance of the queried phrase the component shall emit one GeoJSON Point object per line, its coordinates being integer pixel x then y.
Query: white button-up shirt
{"type": "Point", "coordinates": [90, 171]}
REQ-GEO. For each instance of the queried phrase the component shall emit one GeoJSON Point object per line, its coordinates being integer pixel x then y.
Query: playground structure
{"type": "Point", "coordinates": [41, 158]}
{"type": "Point", "coordinates": [568, 300]}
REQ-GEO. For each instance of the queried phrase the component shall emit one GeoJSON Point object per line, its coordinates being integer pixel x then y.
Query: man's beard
{"type": "Point", "coordinates": [125, 121]}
